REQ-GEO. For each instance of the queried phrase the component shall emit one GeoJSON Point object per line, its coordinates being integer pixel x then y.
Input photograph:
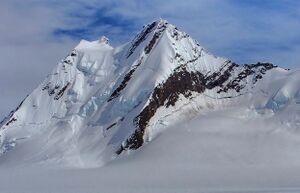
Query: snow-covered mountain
{"type": "Point", "coordinates": [102, 102]}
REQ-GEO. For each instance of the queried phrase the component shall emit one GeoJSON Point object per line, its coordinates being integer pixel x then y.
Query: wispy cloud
{"type": "Point", "coordinates": [245, 31]}
{"type": "Point", "coordinates": [98, 22]}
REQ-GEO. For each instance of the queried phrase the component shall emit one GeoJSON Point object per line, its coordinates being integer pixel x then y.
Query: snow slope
{"type": "Point", "coordinates": [160, 104]}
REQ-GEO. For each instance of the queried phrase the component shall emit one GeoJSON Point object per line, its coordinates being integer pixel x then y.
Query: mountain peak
{"type": "Point", "coordinates": [157, 22]}
{"type": "Point", "coordinates": [162, 21]}
{"type": "Point", "coordinates": [104, 40]}
{"type": "Point", "coordinates": [127, 95]}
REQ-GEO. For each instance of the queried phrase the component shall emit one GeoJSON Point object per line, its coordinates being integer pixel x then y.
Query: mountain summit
{"type": "Point", "coordinates": [100, 102]}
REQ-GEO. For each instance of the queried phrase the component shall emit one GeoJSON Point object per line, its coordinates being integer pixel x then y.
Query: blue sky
{"type": "Point", "coordinates": [36, 34]}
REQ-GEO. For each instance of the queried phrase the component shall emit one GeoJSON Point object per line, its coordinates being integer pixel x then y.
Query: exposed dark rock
{"type": "Point", "coordinates": [165, 94]}
{"type": "Point", "coordinates": [183, 82]}
{"type": "Point", "coordinates": [135, 141]}
{"type": "Point", "coordinates": [67, 61]}
{"type": "Point", "coordinates": [151, 43]}
{"type": "Point", "coordinates": [120, 150]}
{"type": "Point", "coordinates": [141, 37]}
{"type": "Point", "coordinates": [9, 119]}
{"type": "Point", "coordinates": [124, 82]}
{"type": "Point", "coordinates": [258, 70]}
{"type": "Point", "coordinates": [220, 77]}
{"type": "Point", "coordinates": [155, 37]}
{"type": "Point", "coordinates": [73, 53]}
{"type": "Point", "coordinates": [47, 86]}
{"type": "Point", "coordinates": [51, 91]}
{"type": "Point", "coordinates": [176, 35]}
{"type": "Point", "coordinates": [61, 92]}
{"type": "Point", "coordinates": [148, 48]}
{"type": "Point", "coordinates": [111, 126]}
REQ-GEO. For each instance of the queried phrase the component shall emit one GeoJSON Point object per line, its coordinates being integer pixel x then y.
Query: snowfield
{"type": "Point", "coordinates": [158, 114]}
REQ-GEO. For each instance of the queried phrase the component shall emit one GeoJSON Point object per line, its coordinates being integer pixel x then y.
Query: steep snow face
{"type": "Point", "coordinates": [102, 101]}
{"type": "Point", "coordinates": [59, 99]}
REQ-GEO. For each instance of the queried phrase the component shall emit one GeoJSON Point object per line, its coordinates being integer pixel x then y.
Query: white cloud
{"type": "Point", "coordinates": [27, 52]}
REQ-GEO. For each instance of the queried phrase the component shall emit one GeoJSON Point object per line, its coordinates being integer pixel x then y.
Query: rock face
{"type": "Point", "coordinates": [182, 82]}
{"type": "Point", "coordinates": [125, 95]}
